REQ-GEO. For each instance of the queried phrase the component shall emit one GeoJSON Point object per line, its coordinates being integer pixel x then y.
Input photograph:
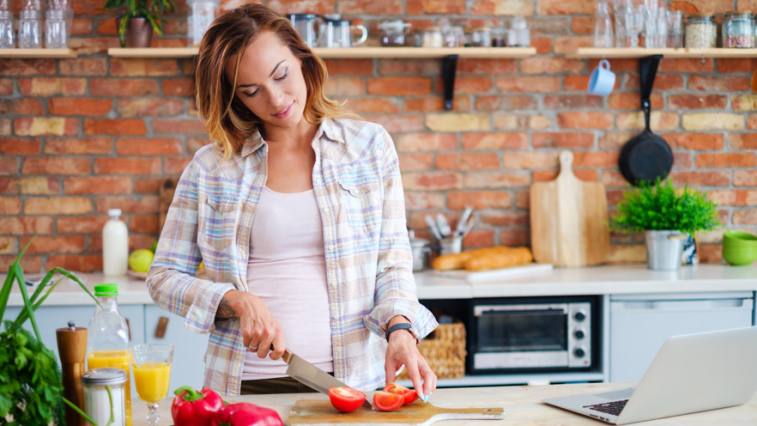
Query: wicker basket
{"type": "Point", "coordinates": [444, 351]}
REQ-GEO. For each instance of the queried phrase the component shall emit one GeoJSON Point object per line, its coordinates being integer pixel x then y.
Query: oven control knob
{"type": "Point", "coordinates": [579, 353]}
{"type": "Point", "coordinates": [579, 316]}
{"type": "Point", "coordinates": [579, 334]}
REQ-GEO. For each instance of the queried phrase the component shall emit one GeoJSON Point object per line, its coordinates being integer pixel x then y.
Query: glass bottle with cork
{"type": "Point", "coordinates": [108, 341]}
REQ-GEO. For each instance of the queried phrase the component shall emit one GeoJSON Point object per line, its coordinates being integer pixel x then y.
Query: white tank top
{"type": "Point", "coordinates": [287, 270]}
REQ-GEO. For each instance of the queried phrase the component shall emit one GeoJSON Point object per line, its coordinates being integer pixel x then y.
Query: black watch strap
{"type": "Point", "coordinates": [398, 326]}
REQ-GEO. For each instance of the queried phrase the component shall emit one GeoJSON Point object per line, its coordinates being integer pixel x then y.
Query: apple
{"type": "Point", "coordinates": [140, 260]}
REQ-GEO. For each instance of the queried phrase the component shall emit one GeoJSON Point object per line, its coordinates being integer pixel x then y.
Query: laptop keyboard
{"type": "Point", "coordinates": [613, 407]}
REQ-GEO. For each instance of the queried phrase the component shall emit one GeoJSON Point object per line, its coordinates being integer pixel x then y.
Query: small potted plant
{"type": "Point", "coordinates": [138, 19]}
{"type": "Point", "coordinates": [667, 216]}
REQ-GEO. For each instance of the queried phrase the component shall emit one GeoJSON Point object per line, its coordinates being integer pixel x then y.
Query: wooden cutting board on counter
{"type": "Point", "coordinates": [317, 412]}
{"type": "Point", "coordinates": [496, 274]}
{"type": "Point", "coordinates": [569, 222]}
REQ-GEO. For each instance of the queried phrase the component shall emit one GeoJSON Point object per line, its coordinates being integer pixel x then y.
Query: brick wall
{"type": "Point", "coordinates": [79, 136]}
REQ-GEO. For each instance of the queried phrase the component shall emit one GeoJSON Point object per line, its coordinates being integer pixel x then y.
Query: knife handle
{"type": "Point", "coordinates": [286, 357]}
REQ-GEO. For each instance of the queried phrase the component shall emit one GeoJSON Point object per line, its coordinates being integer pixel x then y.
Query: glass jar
{"type": "Point", "coordinates": [499, 37]}
{"type": "Point", "coordinates": [7, 34]}
{"type": "Point", "coordinates": [29, 29]}
{"type": "Point", "coordinates": [432, 37]}
{"type": "Point", "coordinates": [101, 386]}
{"type": "Point", "coordinates": [56, 34]}
{"type": "Point", "coordinates": [480, 37]}
{"type": "Point", "coordinates": [393, 33]}
{"type": "Point", "coordinates": [454, 36]}
{"type": "Point", "coordinates": [519, 35]}
{"type": "Point", "coordinates": [701, 32]}
{"type": "Point", "coordinates": [738, 30]}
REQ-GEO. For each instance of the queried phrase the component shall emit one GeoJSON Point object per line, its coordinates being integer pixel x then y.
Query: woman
{"type": "Point", "coordinates": [297, 213]}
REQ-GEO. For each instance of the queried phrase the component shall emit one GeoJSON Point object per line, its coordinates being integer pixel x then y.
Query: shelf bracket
{"type": "Point", "coordinates": [449, 68]}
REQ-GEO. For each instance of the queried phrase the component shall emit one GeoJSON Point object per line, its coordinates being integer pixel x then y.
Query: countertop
{"type": "Point", "coordinates": [625, 279]}
{"type": "Point", "coordinates": [522, 405]}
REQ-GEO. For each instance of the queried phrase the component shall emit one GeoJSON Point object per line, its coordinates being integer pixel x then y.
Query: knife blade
{"type": "Point", "coordinates": [310, 375]}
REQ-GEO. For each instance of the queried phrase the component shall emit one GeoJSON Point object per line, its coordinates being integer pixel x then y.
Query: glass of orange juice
{"type": "Point", "coordinates": [151, 365]}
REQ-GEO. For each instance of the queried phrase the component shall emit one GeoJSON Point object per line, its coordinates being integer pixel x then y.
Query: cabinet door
{"type": "Point", "coordinates": [189, 348]}
{"type": "Point", "coordinates": [639, 327]}
{"type": "Point", "coordinates": [50, 318]}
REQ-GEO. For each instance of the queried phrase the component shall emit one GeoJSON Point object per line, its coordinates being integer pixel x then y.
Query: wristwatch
{"type": "Point", "coordinates": [399, 326]}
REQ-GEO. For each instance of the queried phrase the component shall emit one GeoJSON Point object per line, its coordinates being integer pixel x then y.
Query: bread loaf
{"type": "Point", "coordinates": [513, 257]}
{"type": "Point", "coordinates": [483, 259]}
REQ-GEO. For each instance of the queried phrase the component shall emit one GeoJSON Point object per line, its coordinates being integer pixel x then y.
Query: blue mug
{"type": "Point", "coordinates": [602, 79]}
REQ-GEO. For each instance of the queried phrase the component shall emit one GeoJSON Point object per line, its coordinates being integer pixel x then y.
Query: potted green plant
{"type": "Point", "coordinates": [667, 216]}
{"type": "Point", "coordinates": [138, 19]}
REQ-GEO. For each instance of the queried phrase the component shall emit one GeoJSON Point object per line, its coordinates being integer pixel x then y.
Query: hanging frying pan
{"type": "Point", "coordinates": [646, 157]}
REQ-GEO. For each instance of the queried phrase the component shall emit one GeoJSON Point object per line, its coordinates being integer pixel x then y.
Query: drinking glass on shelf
{"type": "Point", "coordinates": [603, 36]}
{"type": "Point", "coordinates": [661, 28]}
{"type": "Point", "coordinates": [151, 364]}
{"type": "Point", "coordinates": [634, 23]}
{"type": "Point", "coordinates": [650, 25]}
{"type": "Point", "coordinates": [618, 6]}
{"type": "Point", "coordinates": [675, 29]}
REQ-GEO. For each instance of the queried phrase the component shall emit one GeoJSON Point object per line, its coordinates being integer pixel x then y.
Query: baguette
{"type": "Point", "coordinates": [513, 257]}
{"type": "Point", "coordinates": [483, 258]}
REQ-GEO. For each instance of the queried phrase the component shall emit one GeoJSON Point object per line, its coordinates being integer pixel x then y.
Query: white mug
{"type": "Point", "coordinates": [602, 79]}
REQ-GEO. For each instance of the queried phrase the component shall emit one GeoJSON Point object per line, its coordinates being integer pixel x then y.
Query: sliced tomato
{"type": "Point", "coordinates": [346, 399]}
{"type": "Point", "coordinates": [410, 395]}
{"type": "Point", "coordinates": [387, 401]}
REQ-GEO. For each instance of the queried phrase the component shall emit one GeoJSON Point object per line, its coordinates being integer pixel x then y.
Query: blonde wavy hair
{"type": "Point", "coordinates": [228, 121]}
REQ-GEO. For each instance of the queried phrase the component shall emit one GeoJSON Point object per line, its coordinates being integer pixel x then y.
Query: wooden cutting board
{"type": "Point", "coordinates": [316, 412]}
{"type": "Point", "coordinates": [569, 223]}
{"type": "Point", "coordinates": [496, 274]}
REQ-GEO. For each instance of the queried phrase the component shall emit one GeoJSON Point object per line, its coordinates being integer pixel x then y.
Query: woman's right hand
{"type": "Point", "coordinates": [260, 331]}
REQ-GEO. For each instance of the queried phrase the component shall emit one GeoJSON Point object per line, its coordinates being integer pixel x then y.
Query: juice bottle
{"type": "Point", "coordinates": [108, 340]}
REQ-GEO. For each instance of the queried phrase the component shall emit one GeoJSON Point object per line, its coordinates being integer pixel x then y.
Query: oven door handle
{"type": "Point", "coordinates": [481, 310]}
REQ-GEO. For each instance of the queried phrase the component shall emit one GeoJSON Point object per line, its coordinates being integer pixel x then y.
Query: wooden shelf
{"type": "Point", "coordinates": [37, 53]}
{"type": "Point", "coordinates": [349, 53]}
{"type": "Point", "coordinates": [422, 52]}
{"type": "Point", "coordinates": [622, 52]}
{"type": "Point", "coordinates": [153, 52]}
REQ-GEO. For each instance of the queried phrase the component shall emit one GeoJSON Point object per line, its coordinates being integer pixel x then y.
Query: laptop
{"type": "Point", "coordinates": [691, 373]}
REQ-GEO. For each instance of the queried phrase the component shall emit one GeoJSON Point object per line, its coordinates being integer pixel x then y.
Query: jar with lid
{"type": "Point", "coordinates": [432, 37]}
{"type": "Point", "coordinates": [738, 30]}
{"type": "Point", "coordinates": [479, 37]}
{"type": "Point", "coordinates": [499, 37]}
{"type": "Point", "coordinates": [519, 35]}
{"type": "Point", "coordinates": [701, 32]}
{"type": "Point", "coordinates": [103, 392]}
{"type": "Point", "coordinates": [394, 32]}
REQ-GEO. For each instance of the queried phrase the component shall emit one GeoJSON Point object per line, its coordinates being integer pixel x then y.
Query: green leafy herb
{"type": "Point", "coordinates": [31, 392]}
{"type": "Point", "coordinates": [661, 207]}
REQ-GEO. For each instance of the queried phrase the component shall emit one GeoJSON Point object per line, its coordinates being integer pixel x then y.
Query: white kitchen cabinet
{"type": "Point", "coordinates": [640, 324]}
{"type": "Point", "coordinates": [50, 318]}
{"type": "Point", "coordinates": [189, 347]}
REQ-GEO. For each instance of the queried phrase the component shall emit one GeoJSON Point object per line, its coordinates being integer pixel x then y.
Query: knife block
{"type": "Point", "coordinates": [72, 348]}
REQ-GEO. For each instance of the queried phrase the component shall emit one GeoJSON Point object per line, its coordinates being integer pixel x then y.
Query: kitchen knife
{"type": "Point", "coordinates": [312, 376]}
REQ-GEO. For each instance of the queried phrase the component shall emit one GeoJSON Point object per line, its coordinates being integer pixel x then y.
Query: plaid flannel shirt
{"type": "Point", "coordinates": [358, 188]}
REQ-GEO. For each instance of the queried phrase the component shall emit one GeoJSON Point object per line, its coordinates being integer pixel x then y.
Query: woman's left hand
{"type": "Point", "coordinates": [403, 350]}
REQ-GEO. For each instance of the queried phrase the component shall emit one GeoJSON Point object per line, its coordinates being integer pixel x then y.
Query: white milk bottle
{"type": "Point", "coordinates": [115, 244]}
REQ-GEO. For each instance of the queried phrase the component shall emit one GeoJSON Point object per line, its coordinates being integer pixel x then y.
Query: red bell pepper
{"type": "Point", "coordinates": [246, 414]}
{"type": "Point", "coordinates": [193, 408]}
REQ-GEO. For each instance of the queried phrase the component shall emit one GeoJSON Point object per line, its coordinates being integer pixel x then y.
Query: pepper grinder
{"type": "Point", "coordinates": [72, 348]}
